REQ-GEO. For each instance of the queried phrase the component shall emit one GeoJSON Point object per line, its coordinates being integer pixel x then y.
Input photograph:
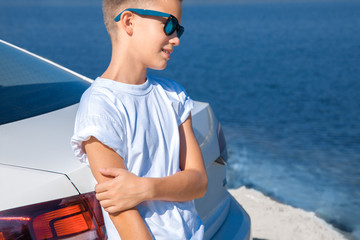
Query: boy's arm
{"type": "Point", "coordinates": [191, 182]}
{"type": "Point", "coordinates": [186, 185]}
{"type": "Point", "coordinates": [128, 223]}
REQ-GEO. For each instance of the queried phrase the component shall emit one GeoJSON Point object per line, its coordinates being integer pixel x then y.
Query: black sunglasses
{"type": "Point", "coordinates": [171, 25]}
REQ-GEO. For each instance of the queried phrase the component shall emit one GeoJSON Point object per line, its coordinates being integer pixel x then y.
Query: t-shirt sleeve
{"type": "Point", "coordinates": [103, 129]}
{"type": "Point", "coordinates": [186, 106]}
{"type": "Point", "coordinates": [180, 100]}
{"type": "Point", "coordinates": [99, 121]}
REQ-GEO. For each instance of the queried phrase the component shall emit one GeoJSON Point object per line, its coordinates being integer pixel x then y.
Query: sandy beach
{"type": "Point", "coordinates": [276, 221]}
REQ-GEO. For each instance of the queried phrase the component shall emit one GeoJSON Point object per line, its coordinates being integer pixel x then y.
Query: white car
{"type": "Point", "coordinates": [45, 192]}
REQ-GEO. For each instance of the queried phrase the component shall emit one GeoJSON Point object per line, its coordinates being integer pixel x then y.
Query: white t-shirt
{"type": "Point", "coordinates": [140, 123]}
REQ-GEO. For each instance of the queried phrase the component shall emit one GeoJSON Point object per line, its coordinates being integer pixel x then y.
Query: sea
{"type": "Point", "coordinates": [283, 77]}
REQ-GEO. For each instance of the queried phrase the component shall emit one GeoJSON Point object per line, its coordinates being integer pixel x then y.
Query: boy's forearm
{"type": "Point", "coordinates": [126, 190]}
{"type": "Point", "coordinates": [130, 225]}
{"type": "Point", "coordinates": [183, 186]}
{"type": "Point", "coordinates": [191, 182]}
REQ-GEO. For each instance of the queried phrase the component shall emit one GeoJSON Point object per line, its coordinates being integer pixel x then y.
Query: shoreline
{"type": "Point", "coordinates": [272, 220]}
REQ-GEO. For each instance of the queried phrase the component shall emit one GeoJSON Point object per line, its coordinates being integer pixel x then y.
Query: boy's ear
{"type": "Point", "coordinates": [127, 19]}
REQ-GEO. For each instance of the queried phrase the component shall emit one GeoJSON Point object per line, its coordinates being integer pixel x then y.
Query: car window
{"type": "Point", "coordinates": [30, 86]}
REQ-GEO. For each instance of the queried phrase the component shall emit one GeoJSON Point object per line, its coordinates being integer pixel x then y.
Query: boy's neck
{"type": "Point", "coordinates": [123, 69]}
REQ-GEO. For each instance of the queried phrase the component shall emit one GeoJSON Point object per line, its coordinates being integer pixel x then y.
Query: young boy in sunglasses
{"type": "Point", "coordinates": [135, 131]}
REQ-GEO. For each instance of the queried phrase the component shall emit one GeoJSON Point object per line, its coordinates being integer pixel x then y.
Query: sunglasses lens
{"type": "Point", "coordinates": [180, 31]}
{"type": "Point", "coordinates": [170, 26]}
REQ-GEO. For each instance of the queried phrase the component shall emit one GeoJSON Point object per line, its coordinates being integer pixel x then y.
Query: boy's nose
{"type": "Point", "coordinates": [175, 41]}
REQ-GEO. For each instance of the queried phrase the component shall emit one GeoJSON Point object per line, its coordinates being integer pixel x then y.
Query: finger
{"type": "Point", "coordinates": [102, 196]}
{"type": "Point", "coordinates": [111, 172]}
{"type": "Point", "coordinates": [113, 210]}
{"type": "Point", "coordinates": [106, 204]}
{"type": "Point", "coordinates": [102, 187]}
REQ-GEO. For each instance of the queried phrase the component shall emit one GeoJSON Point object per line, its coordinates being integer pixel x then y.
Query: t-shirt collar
{"type": "Point", "coordinates": [134, 89]}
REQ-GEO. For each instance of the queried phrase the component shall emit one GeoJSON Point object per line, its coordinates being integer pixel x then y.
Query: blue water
{"type": "Point", "coordinates": [283, 78]}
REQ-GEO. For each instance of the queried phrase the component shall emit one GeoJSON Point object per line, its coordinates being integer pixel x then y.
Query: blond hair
{"type": "Point", "coordinates": [111, 8]}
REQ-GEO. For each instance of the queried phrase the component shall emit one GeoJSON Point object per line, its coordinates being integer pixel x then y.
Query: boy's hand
{"type": "Point", "coordinates": [124, 191]}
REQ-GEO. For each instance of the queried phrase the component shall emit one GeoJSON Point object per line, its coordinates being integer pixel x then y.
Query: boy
{"type": "Point", "coordinates": [135, 131]}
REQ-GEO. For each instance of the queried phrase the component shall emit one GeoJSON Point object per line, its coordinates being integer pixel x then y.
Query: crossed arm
{"type": "Point", "coordinates": [129, 223]}
{"type": "Point", "coordinates": [120, 191]}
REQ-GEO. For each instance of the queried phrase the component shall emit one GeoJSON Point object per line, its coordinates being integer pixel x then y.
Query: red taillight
{"type": "Point", "coordinates": [78, 217]}
{"type": "Point", "coordinates": [65, 221]}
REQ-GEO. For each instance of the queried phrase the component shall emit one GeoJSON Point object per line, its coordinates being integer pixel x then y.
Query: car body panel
{"type": "Point", "coordinates": [237, 224]}
{"type": "Point", "coordinates": [23, 186]}
{"type": "Point", "coordinates": [35, 142]}
{"type": "Point", "coordinates": [205, 127]}
{"type": "Point", "coordinates": [82, 178]}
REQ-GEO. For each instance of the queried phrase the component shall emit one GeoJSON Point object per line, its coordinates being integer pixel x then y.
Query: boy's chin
{"type": "Point", "coordinates": [158, 68]}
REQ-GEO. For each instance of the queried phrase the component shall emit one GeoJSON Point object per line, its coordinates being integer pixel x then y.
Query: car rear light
{"type": "Point", "coordinates": [77, 217]}
{"type": "Point", "coordinates": [222, 146]}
